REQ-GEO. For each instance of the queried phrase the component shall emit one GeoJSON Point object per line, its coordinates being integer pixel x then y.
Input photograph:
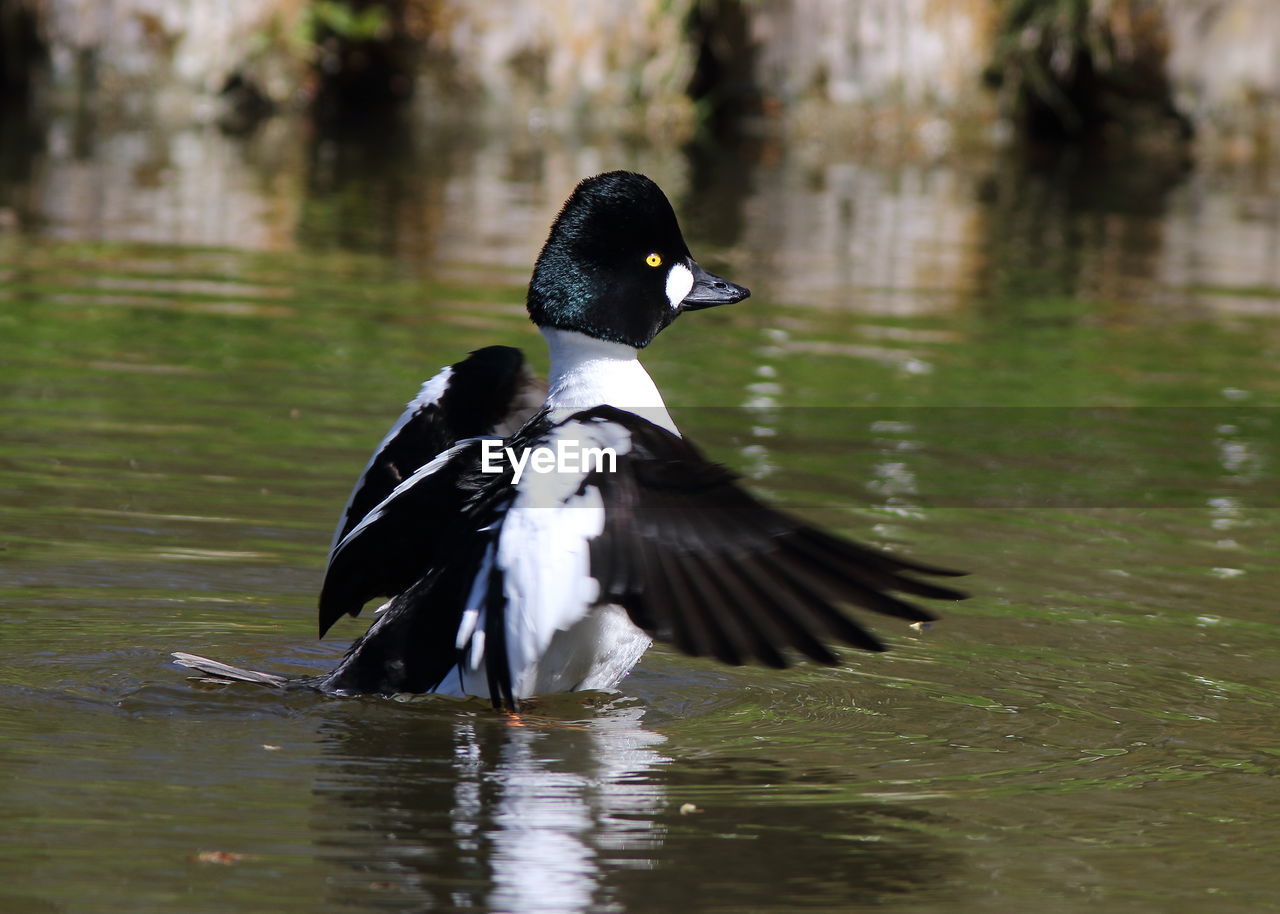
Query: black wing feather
{"type": "Point", "coordinates": [488, 393]}
{"type": "Point", "coordinates": [478, 396]}
{"type": "Point", "coordinates": [699, 562]}
{"type": "Point", "coordinates": [398, 542]}
{"type": "Point", "coordinates": [411, 647]}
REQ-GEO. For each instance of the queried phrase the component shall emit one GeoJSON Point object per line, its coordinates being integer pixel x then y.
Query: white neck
{"type": "Point", "coordinates": [587, 372]}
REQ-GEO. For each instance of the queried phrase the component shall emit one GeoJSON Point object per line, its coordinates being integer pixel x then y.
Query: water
{"type": "Point", "coordinates": [1060, 377]}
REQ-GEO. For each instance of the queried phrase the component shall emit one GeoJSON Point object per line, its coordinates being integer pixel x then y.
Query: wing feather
{"type": "Point", "coordinates": [692, 557]}
{"type": "Point", "coordinates": [488, 393]}
{"type": "Point", "coordinates": [391, 529]}
{"type": "Point", "coordinates": [699, 562]}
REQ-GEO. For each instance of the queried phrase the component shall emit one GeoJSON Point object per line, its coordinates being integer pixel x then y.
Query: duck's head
{"type": "Point", "coordinates": [616, 267]}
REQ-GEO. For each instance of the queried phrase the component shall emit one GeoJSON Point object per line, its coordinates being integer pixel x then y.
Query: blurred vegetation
{"type": "Point", "coordinates": [1068, 68]}
{"type": "Point", "coordinates": [1064, 70]}
{"type": "Point", "coordinates": [724, 85]}
{"type": "Point", "coordinates": [348, 21]}
{"type": "Point", "coordinates": [363, 54]}
{"type": "Point", "coordinates": [22, 53]}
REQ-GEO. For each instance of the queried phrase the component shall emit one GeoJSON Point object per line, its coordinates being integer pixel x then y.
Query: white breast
{"type": "Point", "coordinates": [557, 638]}
{"type": "Point", "coordinates": [587, 372]}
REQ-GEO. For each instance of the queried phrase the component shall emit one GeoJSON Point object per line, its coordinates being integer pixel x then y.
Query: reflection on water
{"type": "Point", "coordinates": [191, 186]}
{"type": "Point", "coordinates": [1057, 374]}
{"type": "Point", "coordinates": [457, 808]}
{"type": "Point", "coordinates": [824, 231]}
{"type": "Point", "coordinates": [451, 808]}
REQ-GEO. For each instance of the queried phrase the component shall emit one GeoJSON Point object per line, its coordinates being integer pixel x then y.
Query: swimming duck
{"type": "Point", "coordinates": [531, 539]}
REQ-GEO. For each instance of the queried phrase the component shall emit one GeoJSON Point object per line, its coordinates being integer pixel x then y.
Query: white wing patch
{"type": "Point", "coordinates": [473, 615]}
{"type": "Point", "coordinates": [679, 284]}
{"type": "Point", "coordinates": [430, 392]}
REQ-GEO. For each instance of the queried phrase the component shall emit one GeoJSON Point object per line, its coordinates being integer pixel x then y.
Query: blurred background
{"type": "Point", "coordinates": [222, 122]}
{"type": "Point", "coordinates": [1015, 268]}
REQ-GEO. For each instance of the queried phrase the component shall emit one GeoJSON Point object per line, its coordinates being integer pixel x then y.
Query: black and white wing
{"type": "Point", "coordinates": [700, 563]}
{"type": "Point", "coordinates": [490, 393]}
{"type": "Point", "coordinates": [658, 530]}
{"type": "Point", "coordinates": [510, 570]}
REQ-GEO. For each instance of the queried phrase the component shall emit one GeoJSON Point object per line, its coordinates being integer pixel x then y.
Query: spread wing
{"type": "Point", "coordinates": [700, 563]}
{"type": "Point", "coordinates": [386, 535]}
{"type": "Point", "coordinates": [660, 530]}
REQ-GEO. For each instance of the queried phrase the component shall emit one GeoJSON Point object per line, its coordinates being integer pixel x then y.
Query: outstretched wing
{"type": "Point", "coordinates": [451, 617]}
{"type": "Point", "coordinates": [397, 541]}
{"type": "Point", "coordinates": [698, 562]}
{"type": "Point", "coordinates": [657, 529]}
{"type": "Point", "coordinates": [490, 393]}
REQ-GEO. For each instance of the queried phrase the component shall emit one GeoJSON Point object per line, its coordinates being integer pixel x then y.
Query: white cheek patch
{"type": "Point", "coordinates": [679, 284]}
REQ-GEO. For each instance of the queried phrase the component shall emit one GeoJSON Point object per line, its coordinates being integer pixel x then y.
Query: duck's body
{"type": "Point", "coordinates": [499, 549]}
{"type": "Point", "coordinates": [506, 581]}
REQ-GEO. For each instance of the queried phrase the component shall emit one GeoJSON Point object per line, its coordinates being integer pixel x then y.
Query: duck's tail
{"type": "Point", "coordinates": [224, 672]}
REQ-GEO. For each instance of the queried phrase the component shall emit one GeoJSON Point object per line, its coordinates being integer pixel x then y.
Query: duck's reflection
{"type": "Point", "coordinates": [442, 806]}
{"type": "Point", "coordinates": [471, 809]}
{"type": "Point", "coordinates": [562, 796]}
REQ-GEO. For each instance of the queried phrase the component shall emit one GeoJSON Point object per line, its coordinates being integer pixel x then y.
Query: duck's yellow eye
{"type": "Point", "coordinates": [654, 259]}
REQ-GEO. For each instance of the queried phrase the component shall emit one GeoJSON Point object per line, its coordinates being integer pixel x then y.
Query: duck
{"type": "Point", "coordinates": [525, 538]}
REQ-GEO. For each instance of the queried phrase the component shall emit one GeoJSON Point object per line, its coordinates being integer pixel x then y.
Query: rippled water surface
{"type": "Point", "coordinates": [1062, 378]}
